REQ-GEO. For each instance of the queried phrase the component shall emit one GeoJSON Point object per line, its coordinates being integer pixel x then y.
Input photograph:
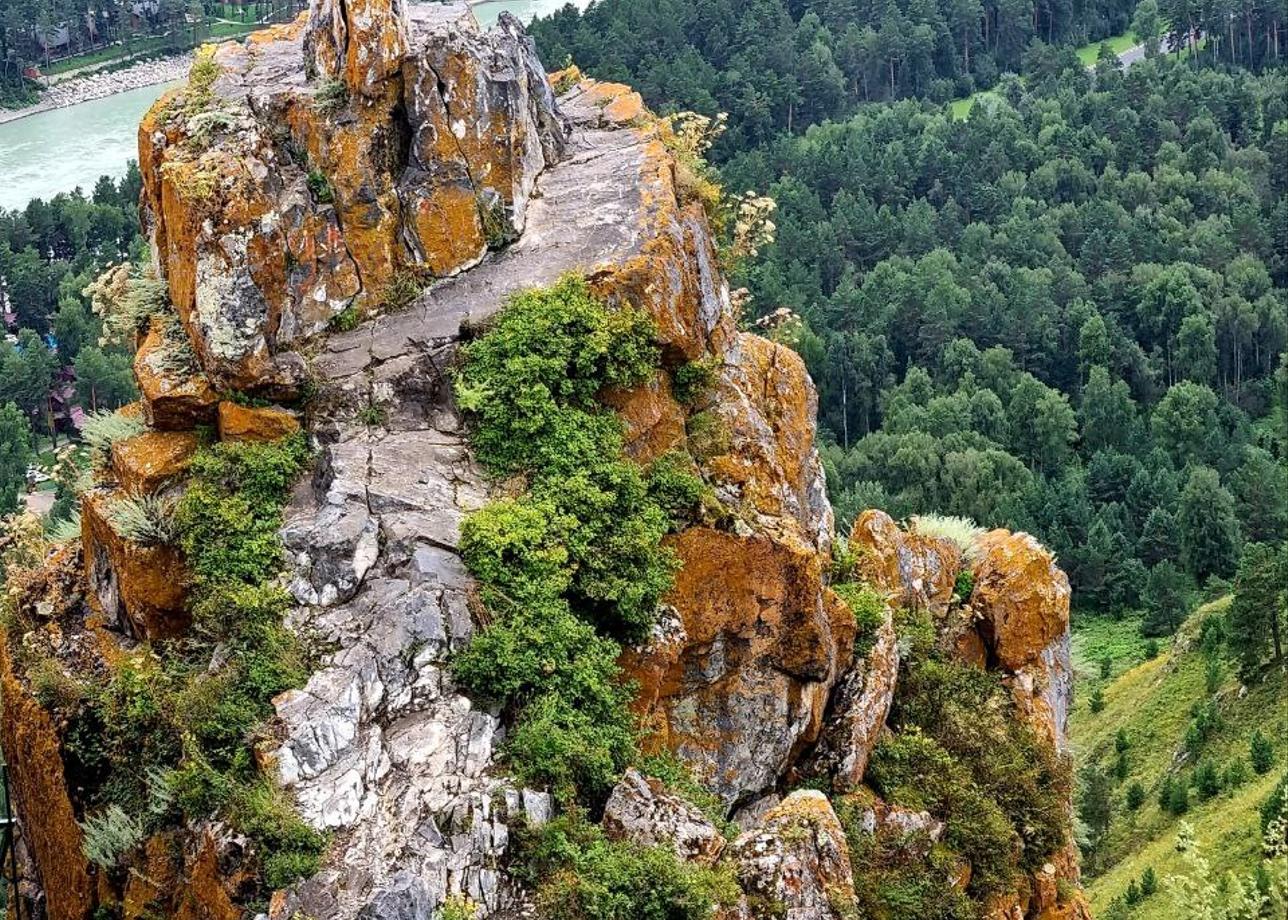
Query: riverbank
{"type": "Point", "coordinates": [103, 84]}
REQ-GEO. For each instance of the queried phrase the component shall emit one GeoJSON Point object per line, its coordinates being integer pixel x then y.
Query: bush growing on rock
{"type": "Point", "coordinates": [168, 731]}
{"type": "Point", "coordinates": [579, 873]}
{"type": "Point", "coordinates": [574, 565]}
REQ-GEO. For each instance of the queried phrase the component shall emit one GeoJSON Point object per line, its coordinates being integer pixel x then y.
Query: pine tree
{"type": "Point", "coordinates": [1209, 530]}
{"type": "Point", "coordinates": [1166, 600]}
{"type": "Point", "coordinates": [1261, 753]}
{"type": "Point", "coordinates": [1257, 610]}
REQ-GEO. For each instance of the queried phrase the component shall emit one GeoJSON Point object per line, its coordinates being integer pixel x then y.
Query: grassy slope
{"type": "Point", "coordinates": [1152, 700]}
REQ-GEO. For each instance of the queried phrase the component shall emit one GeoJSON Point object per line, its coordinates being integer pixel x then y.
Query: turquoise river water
{"type": "Point", "coordinates": [57, 151]}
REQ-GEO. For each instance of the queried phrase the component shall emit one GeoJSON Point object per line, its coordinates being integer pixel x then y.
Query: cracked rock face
{"type": "Point", "coordinates": [798, 858]}
{"type": "Point", "coordinates": [641, 810]}
{"type": "Point", "coordinates": [282, 195]}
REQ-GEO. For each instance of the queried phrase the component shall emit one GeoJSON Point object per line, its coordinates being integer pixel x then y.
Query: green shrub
{"type": "Point", "coordinates": [964, 586]}
{"type": "Point", "coordinates": [1135, 796]}
{"type": "Point", "coordinates": [1097, 701]}
{"type": "Point", "coordinates": [869, 609]}
{"type": "Point", "coordinates": [533, 379]}
{"type": "Point", "coordinates": [677, 489]}
{"type": "Point", "coordinates": [581, 874]}
{"type": "Point", "coordinates": [346, 320]}
{"type": "Point", "coordinates": [692, 381]}
{"type": "Point", "coordinates": [960, 752]}
{"type": "Point", "coordinates": [574, 565]}
{"type": "Point", "coordinates": [320, 187]}
{"type": "Point", "coordinates": [708, 435]}
{"type": "Point", "coordinates": [1261, 753]}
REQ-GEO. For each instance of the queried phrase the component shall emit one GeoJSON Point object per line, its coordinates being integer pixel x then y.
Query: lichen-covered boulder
{"type": "Point", "coordinates": [796, 862]}
{"type": "Point", "coordinates": [147, 462]}
{"type": "Point", "coordinates": [175, 397]}
{"type": "Point", "coordinates": [1021, 595]}
{"type": "Point", "coordinates": [912, 833]}
{"type": "Point", "coordinates": [914, 569]}
{"type": "Point", "coordinates": [741, 683]}
{"type": "Point", "coordinates": [141, 589]}
{"type": "Point", "coordinates": [255, 423]}
{"type": "Point", "coordinates": [642, 811]}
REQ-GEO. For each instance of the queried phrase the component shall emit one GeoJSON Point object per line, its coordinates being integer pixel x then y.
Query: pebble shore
{"type": "Point", "coordinates": [101, 85]}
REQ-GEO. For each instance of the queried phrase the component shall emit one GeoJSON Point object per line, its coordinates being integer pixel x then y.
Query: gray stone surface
{"type": "Point", "coordinates": [379, 747]}
{"type": "Point", "coordinates": [642, 811]}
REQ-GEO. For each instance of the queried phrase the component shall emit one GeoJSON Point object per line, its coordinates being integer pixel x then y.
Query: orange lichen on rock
{"type": "Point", "coordinates": [654, 421]}
{"type": "Point", "coordinates": [146, 462]}
{"type": "Point", "coordinates": [1021, 594]}
{"type": "Point", "coordinates": [762, 642]}
{"type": "Point", "coordinates": [913, 569]}
{"type": "Point", "coordinates": [255, 423]}
{"type": "Point", "coordinates": [172, 400]}
{"type": "Point", "coordinates": [38, 785]}
{"type": "Point", "coordinates": [768, 406]}
{"type": "Point", "coordinates": [142, 588]}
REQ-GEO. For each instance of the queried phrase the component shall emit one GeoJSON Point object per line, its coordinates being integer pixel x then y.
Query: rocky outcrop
{"type": "Point", "coordinates": [796, 864]}
{"type": "Point", "coordinates": [742, 681]}
{"type": "Point", "coordinates": [918, 571]}
{"type": "Point", "coordinates": [642, 811]}
{"type": "Point", "coordinates": [858, 711]}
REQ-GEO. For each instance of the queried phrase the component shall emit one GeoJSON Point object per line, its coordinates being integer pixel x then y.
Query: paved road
{"type": "Point", "coordinates": [1136, 53]}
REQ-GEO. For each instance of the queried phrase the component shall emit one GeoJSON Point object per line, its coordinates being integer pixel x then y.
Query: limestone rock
{"type": "Point", "coordinates": [763, 644]}
{"type": "Point", "coordinates": [914, 569]}
{"type": "Point", "coordinates": [798, 859]}
{"type": "Point", "coordinates": [1022, 596]}
{"type": "Point", "coordinates": [140, 589]}
{"type": "Point", "coordinates": [146, 462]}
{"type": "Point", "coordinates": [259, 423]}
{"type": "Point", "coordinates": [642, 811]}
{"type": "Point", "coordinates": [858, 711]}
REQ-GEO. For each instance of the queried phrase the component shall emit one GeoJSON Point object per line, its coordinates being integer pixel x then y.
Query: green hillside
{"type": "Point", "coordinates": [1155, 701]}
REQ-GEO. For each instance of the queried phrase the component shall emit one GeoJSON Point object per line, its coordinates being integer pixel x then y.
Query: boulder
{"type": "Point", "coordinates": [654, 421]}
{"type": "Point", "coordinates": [915, 570]}
{"type": "Point", "coordinates": [140, 589]}
{"type": "Point", "coordinates": [145, 463]}
{"type": "Point", "coordinates": [255, 423]}
{"type": "Point", "coordinates": [175, 398]}
{"type": "Point", "coordinates": [1021, 597]}
{"type": "Point", "coordinates": [797, 860]}
{"type": "Point", "coordinates": [642, 811]}
{"type": "Point", "coordinates": [741, 683]}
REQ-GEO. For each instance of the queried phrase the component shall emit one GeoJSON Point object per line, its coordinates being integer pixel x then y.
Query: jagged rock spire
{"type": "Point", "coordinates": [361, 42]}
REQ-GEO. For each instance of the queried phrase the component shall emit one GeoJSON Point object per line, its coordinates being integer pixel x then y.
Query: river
{"type": "Point", "coordinates": [56, 151]}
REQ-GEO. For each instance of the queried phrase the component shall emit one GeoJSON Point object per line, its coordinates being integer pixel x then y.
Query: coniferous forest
{"type": "Point", "coordinates": [1063, 312]}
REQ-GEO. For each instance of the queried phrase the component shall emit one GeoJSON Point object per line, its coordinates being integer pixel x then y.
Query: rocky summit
{"type": "Point", "coordinates": [335, 207]}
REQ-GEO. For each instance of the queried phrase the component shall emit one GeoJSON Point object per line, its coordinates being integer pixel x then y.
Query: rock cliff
{"type": "Point", "coordinates": [334, 207]}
